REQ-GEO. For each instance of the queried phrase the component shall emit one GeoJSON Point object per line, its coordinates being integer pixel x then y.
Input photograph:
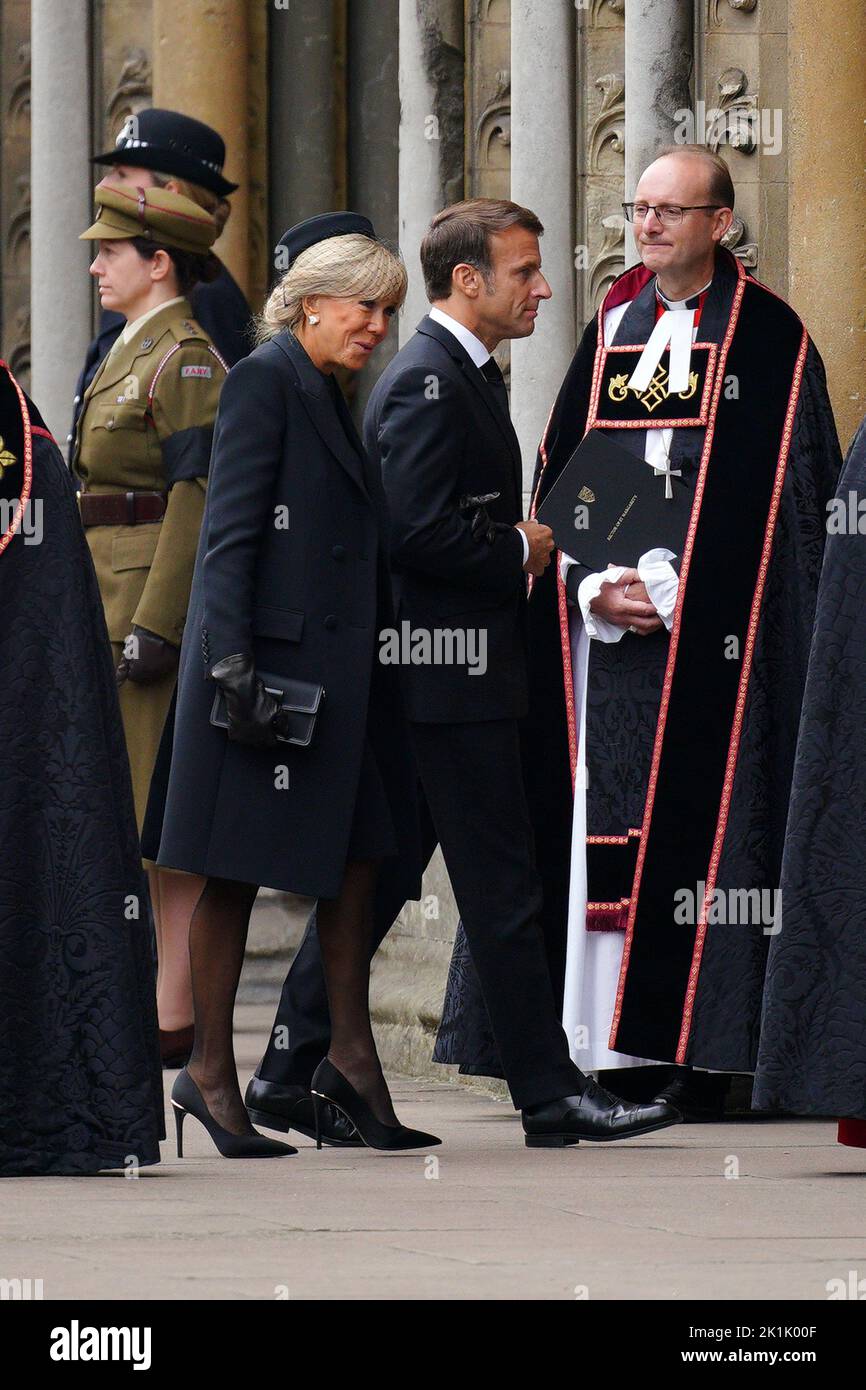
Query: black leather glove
{"type": "Point", "coordinates": [153, 658]}
{"type": "Point", "coordinates": [250, 708]}
{"type": "Point", "coordinates": [485, 529]}
{"type": "Point", "coordinates": [474, 510]}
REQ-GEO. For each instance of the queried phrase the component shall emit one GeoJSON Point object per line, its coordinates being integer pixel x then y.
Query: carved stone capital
{"type": "Point", "coordinates": [18, 107]}
{"type": "Point", "coordinates": [715, 13]}
{"type": "Point", "coordinates": [733, 121]}
{"type": "Point", "coordinates": [132, 90]}
{"type": "Point", "coordinates": [608, 128]}
{"type": "Point", "coordinates": [734, 240]}
{"type": "Point", "coordinates": [610, 260]}
{"type": "Point", "coordinates": [599, 6]}
{"type": "Point", "coordinates": [494, 123]}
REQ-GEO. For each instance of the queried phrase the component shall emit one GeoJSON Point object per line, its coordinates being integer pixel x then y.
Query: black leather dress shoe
{"type": "Point", "coordinates": [698, 1095]}
{"type": "Point", "coordinates": [594, 1114]}
{"type": "Point", "coordinates": [291, 1107]}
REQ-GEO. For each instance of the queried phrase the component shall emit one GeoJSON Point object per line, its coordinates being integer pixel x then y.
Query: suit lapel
{"type": "Point", "coordinates": [476, 380]}
{"type": "Point", "coordinates": [321, 407]}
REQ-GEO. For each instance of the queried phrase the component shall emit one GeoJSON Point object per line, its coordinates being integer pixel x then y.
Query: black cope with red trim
{"type": "Point", "coordinates": [724, 569]}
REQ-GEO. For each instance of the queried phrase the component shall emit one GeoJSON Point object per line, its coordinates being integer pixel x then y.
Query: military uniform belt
{"type": "Point", "coordinates": [121, 508]}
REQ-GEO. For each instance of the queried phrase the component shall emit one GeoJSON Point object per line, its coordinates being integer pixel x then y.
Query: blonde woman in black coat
{"type": "Point", "coordinates": [291, 582]}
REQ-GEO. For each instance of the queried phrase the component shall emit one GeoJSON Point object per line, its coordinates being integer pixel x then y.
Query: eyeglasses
{"type": "Point", "coordinates": [668, 214]}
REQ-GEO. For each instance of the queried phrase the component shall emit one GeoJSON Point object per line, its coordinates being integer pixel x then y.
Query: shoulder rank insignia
{"type": "Point", "coordinates": [7, 458]}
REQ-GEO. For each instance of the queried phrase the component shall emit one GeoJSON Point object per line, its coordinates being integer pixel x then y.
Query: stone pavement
{"type": "Point", "coordinates": [482, 1217]}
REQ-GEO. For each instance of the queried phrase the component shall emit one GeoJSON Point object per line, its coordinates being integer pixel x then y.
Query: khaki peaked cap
{"type": "Point", "coordinates": [158, 214]}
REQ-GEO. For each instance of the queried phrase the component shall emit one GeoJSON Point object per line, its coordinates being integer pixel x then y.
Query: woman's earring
{"type": "Point", "coordinates": [314, 318]}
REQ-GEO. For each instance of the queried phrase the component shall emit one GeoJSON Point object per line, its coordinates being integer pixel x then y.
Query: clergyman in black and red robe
{"type": "Point", "coordinates": [659, 767]}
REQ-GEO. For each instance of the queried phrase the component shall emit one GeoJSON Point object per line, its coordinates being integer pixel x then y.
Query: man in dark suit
{"type": "Point", "coordinates": [183, 154]}
{"type": "Point", "coordinates": [438, 424]}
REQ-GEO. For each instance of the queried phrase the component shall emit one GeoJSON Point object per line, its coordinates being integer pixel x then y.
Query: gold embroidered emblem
{"type": "Point", "coordinates": [586, 494]}
{"type": "Point", "coordinates": [7, 458]}
{"type": "Point", "coordinates": [655, 393]}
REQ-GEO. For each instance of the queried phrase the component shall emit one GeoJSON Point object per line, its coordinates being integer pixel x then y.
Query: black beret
{"type": "Point", "coordinates": [326, 224]}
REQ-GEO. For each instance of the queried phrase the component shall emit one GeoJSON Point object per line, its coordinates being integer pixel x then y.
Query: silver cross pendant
{"type": "Point", "coordinates": [667, 472]}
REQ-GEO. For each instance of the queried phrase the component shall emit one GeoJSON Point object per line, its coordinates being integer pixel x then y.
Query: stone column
{"type": "Point", "coordinates": [200, 66]}
{"type": "Point", "coordinates": [372, 126]}
{"type": "Point", "coordinates": [658, 65]}
{"type": "Point", "coordinates": [826, 138]}
{"type": "Point", "coordinates": [303, 161]}
{"type": "Point", "coordinates": [62, 205]}
{"type": "Point", "coordinates": [542, 178]}
{"type": "Point", "coordinates": [431, 130]}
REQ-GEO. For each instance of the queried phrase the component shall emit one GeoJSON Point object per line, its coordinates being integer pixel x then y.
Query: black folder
{"type": "Point", "coordinates": [608, 507]}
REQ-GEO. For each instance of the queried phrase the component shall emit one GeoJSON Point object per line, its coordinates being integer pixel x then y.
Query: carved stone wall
{"type": "Point", "coordinates": [488, 99]}
{"type": "Point", "coordinates": [600, 61]}
{"type": "Point", "coordinates": [741, 76]}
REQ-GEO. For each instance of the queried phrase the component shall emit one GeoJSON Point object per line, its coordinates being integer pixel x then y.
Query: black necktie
{"type": "Point", "coordinates": [491, 373]}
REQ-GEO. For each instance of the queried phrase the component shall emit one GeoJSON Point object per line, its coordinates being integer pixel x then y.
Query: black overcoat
{"type": "Point", "coordinates": [438, 435]}
{"type": "Point", "coordinates": [291, 567]}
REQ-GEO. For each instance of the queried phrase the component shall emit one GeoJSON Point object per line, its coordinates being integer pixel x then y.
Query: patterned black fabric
{"type": "Point", "coordinates": [812, 1056]}
{"type": "Point", "coordinates": [80, 1082]}
{"type": "Point", "coordinates": [728, 1002]}
{"type": "Point", "coordinates": [465, 1035]}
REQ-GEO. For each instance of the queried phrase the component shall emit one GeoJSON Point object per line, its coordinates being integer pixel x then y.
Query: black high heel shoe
{"type": "Point", "coordinates": [187, 1099]}
{"type": "Point", "coordinates": [328, 1084]}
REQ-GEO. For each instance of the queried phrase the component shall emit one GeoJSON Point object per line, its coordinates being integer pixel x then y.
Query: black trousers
{"type": "Point", "coordinates": [474, 806]}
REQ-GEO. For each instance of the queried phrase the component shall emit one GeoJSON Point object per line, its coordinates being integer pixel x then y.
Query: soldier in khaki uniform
{"type": "Point", "coordinates": [141, 454]}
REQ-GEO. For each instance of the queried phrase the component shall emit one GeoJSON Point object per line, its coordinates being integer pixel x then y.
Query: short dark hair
{"type": "Point", "coordinates": [462, 232]}
{"type": "Point", "coordinates": [721, 187]}
{"type": "Point", "coordinates": [190, 267]}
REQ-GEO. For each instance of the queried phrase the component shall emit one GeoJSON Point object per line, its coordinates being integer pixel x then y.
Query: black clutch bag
{"type": "Point", "coordinates": [299, 703]}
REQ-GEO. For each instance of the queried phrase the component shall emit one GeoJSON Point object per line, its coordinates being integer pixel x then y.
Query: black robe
{"type": "Point", "coordinates": [80, 1077]}
{"type": "Point", "coordinates": [719, 764]}
{"type": "Point", "coordinates": [812, 1056]}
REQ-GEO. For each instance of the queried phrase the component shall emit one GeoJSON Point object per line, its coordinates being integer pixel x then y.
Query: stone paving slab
{"type": "Point", "coordinates": [482, 1217]}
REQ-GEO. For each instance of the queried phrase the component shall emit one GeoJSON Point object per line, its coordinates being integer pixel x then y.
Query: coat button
{"type": "Point", "coordinates": [338, 552]}
{"type": "Point", "coordinates": [330, 622]}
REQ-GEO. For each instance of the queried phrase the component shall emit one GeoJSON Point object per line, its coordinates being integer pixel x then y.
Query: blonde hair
{"type": "Point", "coordinates": [338, 267]}
{"type": "Point", "coordinates": [219, 208]}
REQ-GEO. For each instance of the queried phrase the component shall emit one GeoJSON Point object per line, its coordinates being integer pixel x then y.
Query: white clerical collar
{"type": "Point", "coordinates": [474, 346]}
{"type": "Point", "coordinates": [690, 303]}
{"type": "Point", "coordinates": [673, 331]}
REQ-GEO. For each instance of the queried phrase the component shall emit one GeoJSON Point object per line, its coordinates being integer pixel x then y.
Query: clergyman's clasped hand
{"type": "Point", "coordinates": [626, 603]}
